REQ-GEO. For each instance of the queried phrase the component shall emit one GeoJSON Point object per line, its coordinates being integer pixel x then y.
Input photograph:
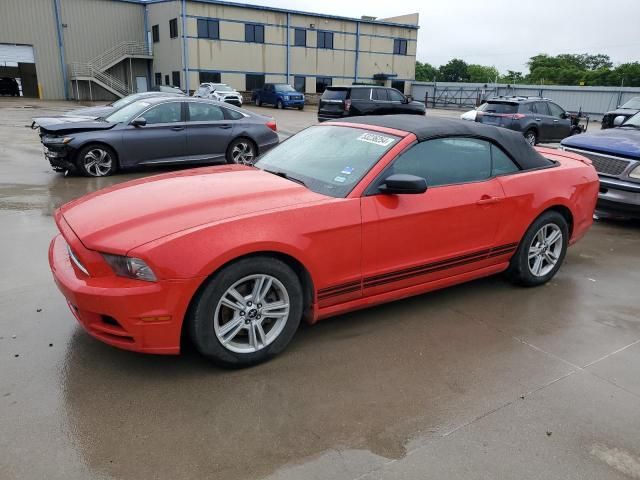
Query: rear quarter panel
{"type": "Point", "coordinates": [572, 183]}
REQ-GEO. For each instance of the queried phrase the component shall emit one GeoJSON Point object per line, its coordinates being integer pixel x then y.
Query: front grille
{"type": "Point", "coordinates": [605, 164]}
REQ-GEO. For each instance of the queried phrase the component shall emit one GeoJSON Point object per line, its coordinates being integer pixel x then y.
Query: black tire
{"type": "Point", "coordinates": [279, 105]}
{"type": "Point", "coordinates": [249, 144]}
{"type": "Point", "coordinates": [201, 322]}
{"type": "Point", "coordinates": [84, 164]}
{"type": "Point", "coordinates": [258, 102]}
{"type": "Point", "coordinates": [531, 136]}
{"type": "Point", "coordinates": [520, 269]}
{"type": "Point", "coordinates": [301, 107]}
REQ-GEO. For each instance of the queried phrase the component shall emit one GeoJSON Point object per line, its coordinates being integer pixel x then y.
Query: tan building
{"type": "Point", "coordinates": [103, 49]}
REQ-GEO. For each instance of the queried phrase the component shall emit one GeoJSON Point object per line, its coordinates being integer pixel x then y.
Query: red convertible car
{"type": "Point", "coordinates": [341, 216]}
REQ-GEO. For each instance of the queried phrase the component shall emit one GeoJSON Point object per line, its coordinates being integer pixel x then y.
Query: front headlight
{"type": "Point", "coordinates": [130, 267]}
{"type": "Point", "coordinates": [635, 173]}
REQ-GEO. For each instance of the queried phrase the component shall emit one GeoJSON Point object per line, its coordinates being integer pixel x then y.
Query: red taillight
{"type": "Point", "coordinates": [347, 105]}
{"type": "Point", "coordinates": [518, 116]}
{"type": "Point", "coordinates": [272, 125]}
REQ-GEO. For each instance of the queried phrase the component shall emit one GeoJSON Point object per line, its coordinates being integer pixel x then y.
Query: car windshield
{"type": "Point", "coordinates": [126, 113]}
{"type": "Point", "coordinates": [633, 104]}
{"type": "Point", "coordinates": [222, 88]}
{"type": "Point", "coordinates": [337, 94]}
{"type": "Point", "coordinates": [285, 88]}
{"type": "Point", "coordinates": [498, 107]}
{"type": "Point", "coordinates": [633, 121]}
{"type": "Point", "coordinates": [329, 159]}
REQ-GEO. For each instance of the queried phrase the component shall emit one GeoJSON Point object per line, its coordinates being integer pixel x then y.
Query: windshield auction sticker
{"type": "Point", "coordinates": [376, 139]}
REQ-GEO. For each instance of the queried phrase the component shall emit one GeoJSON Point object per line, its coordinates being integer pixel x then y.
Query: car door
{"type": "Point", "coordinates": [162, 140]}
{"type": "Point", "coordinates": [208, 131]}
{"type": "Point", "coordinates": [448, 230]}
{"type": "Point", "coordinates": [544, 121]}
{"type": "Point", "coordinates": [561, 122]}
{"type": "Point", "coordinates": [397, 101]}
{"type": "Point", "coordinates": [380, 101]}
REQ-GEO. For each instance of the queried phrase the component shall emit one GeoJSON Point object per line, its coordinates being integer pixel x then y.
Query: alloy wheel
{"type": "Point", "coordinates": [242, 153]}
{"type": "Point", "coordinates": [98, 162]}
{"type": "Point", "coordinates": [545, 250]}
{"type": "Point", "coordinates": [251, 314]}
{"type": "Point", "coordinates": [530, 138]}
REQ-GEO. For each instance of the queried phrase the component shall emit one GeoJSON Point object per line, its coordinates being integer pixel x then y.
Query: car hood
{"type": "Point", "coordinates": [90, 112]}
{"type": "Point", "coordinates": [627, 112]}
{"type": "Point", "coordinates": [227, 94]}
{"type": "Point", "coordinates": [623, 141]}
{"type": "Point", "coordinates": [125, 216]}
{"type": "Point", "coordinates": [70, 124]}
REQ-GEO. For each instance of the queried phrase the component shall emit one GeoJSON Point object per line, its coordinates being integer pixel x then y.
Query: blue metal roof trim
{"type": "Point", "coordinates": [284, 10]}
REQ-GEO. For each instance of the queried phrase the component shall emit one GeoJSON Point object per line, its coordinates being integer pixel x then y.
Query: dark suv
{"type": "Point", "coordinates": [339, 102]}
{"type": "Point", "coordinates": [539, 119]}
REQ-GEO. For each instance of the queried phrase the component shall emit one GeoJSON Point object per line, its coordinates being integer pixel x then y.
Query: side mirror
{"type": "Point", "coordinates": [403, 183]}
{"type": "Point", "coordinates": [619, 120]}
{"type": "Point", "coordinates": [138, 122]}
{"type": "Point", "coordinates": [565, 115]}
{"type": "Point", "coordinates": [408, 99]}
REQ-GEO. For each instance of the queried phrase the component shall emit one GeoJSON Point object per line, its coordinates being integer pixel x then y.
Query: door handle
{"type": "Point", "coordinates": [225, 126]}
{"type": "Point", "coordinates": [538, 119]}
{"type": "Point", "coordinates": [487, 200]}
{"type": "Point", "coordinates": [556, 121]}
{"type": "Point", "coordinates": [177, 129]}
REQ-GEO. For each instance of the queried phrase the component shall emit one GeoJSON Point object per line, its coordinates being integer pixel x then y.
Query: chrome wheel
{"type": "Point", "coordinates": [545, 250]}
{"type": "Point", "coordinates": [97, 162]}
{"type": "Point", "coordinates": [243, 153]}
{"type": "Point", "coordinates": [530, 137]}
{"type": "Point", "coordinates": [251, 313]}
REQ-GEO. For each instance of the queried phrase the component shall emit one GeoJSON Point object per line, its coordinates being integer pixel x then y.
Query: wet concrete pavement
{"type": "Point", "coordinates": [484, 380]}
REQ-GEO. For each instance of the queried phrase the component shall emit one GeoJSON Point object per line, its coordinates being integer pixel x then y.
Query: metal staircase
{"type": "Point", "coordinates": [95, 70]}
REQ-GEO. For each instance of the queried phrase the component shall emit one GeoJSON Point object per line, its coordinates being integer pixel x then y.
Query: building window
{"type": "Point", "coordinates": [325, 40]}
{"type": "Point", "coordinates": [322, 83]}
{"type": "Point", "coordinates": [173, 28]}
{"type": "Point", "coordinates": [209, 77]}
{"type": "Point", "coordinates": [398, 85]}
{"type": "Point", "coordinates": [399, 46]}
{"type": "Point", "coordinates": [175, 78]}
{"type": "Point", "coordinates": [253, 82]}
{"type": "Point", "coordinates": [300, 39]}
{"type": "Point", "coordinates": [155, 32]}
{"type": "Point", "coordinates": [299, 83]}
{"type": "Point", "coordinates": [253, 33]}
{"type": "Point", "coordinates": [208, 29]}
{"type": "Point", "coordinates": [158, 78]}
{"type": "Point", "coordinates": [166, 80]}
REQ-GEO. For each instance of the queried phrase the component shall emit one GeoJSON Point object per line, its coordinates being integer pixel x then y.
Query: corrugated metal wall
{"type": "Point", "coordinates": [592, 100]}
{"type": "Point", "coordinates": [32, 22]}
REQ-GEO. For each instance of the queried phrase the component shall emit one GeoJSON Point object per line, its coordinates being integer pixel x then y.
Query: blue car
{"type": "Point", "coordinates": [280, 95]}
{"type": "Point", "coordinates": [615, 153]}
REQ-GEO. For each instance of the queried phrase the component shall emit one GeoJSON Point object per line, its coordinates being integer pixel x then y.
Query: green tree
{"type": "Point", "coordinates": [481, 73]}
{"type": "Point", "coordinates": [512, 77]}
{"type": "Point", "coordinates": [454, 71]}
{"type": "Point", "coordinates": [425, 72]}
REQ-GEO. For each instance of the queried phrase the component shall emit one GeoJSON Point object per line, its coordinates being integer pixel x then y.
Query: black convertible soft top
{"type": "Point", "coordinates": [425, 128]}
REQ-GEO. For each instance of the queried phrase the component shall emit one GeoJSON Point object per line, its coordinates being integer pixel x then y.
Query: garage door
{"type": "Point", "coordinates": [16, 53]}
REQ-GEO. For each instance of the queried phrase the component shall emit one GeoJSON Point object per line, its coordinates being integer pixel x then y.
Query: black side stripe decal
{"type": "Point", "coordinates": [398, 275]}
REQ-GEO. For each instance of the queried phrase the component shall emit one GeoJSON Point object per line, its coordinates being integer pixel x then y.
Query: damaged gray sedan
{"type": "Point", "coordinates": [157, 131]}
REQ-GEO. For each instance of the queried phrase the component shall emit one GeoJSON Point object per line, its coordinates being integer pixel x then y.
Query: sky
{"type": "Point", "coordinates": [502, 33]}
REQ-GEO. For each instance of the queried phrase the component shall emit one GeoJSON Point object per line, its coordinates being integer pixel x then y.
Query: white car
{"type": "Point", "coordinates": [470, 115]}
{"type": "Point", "coordinates": [219, 91]}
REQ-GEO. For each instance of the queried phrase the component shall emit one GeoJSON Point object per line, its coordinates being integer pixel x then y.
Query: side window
{"type": "Point", "coordinates": [380, 94]}
{"type": "Point", "coordinates": [164, 113]}
{"type": "Point", "coordinates": [360, 94]}
{"type": "Point", "coordinates": [556, 111]}
{"type": "Point", "coordinates": [527, 108]}
{"type": "Point", "coordinates": [446, 161]}
{"type": "Point", "coordinates": [232, 114]}
{"type": "Point", "coordinates": [203, 112]}
{"type": "Point", "coordinates": [395, 96]}
{"type": "Point", "coordinates": [300, 37]}
{"type": "Point", "coordinates": [542, 108]}
{"type": "Point", "coordinates": [501, 164]}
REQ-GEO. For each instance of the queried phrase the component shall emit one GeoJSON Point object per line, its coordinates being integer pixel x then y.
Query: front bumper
{"type": "Point", "coordinates": [620, 198]}
{"type": "Point", "coordinates": [60, 157]}
{"type": "Point", "coordinates": [129, 314]}
{"type": "Point", "coordinates": [293, 103]}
